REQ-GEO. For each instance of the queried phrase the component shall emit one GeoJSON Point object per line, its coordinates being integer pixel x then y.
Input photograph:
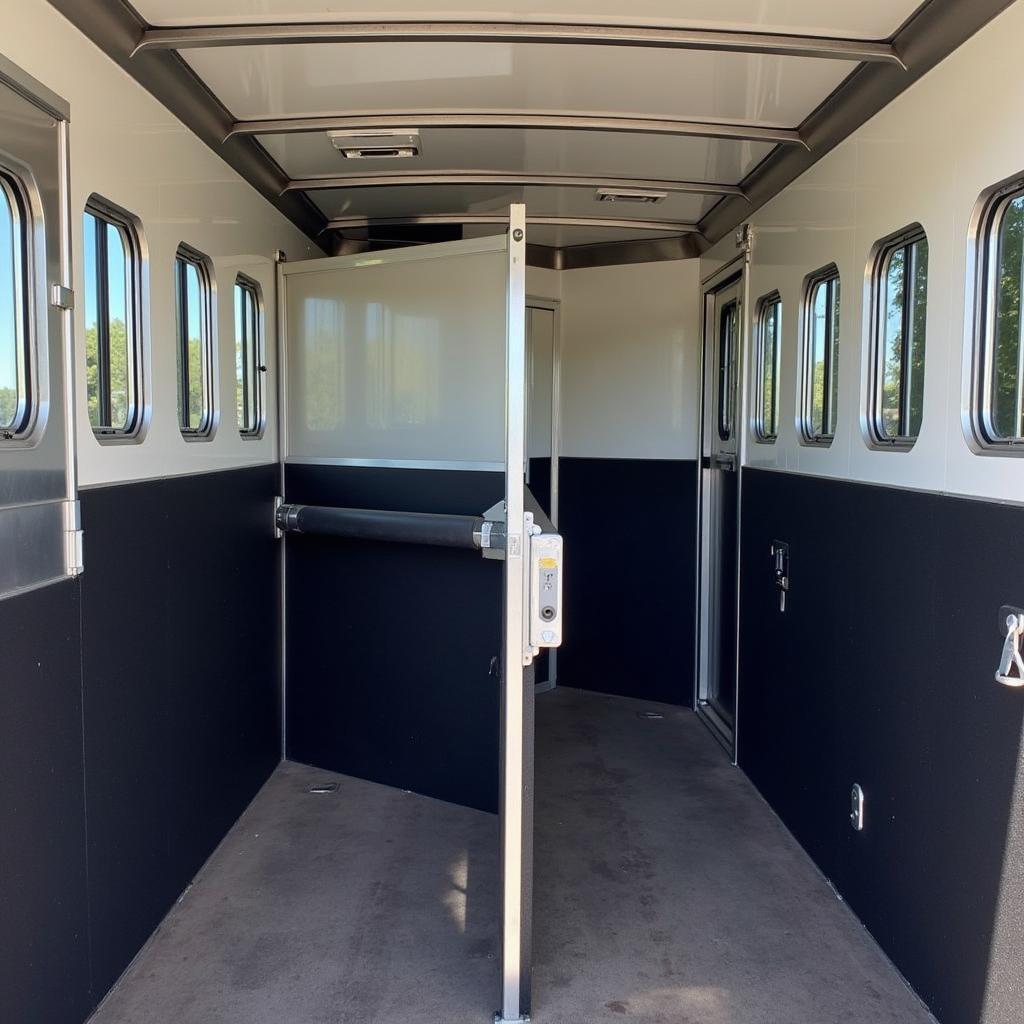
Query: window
{"type": "Point", "coordinates": [728, 332]}
{"type": "Point", "coordinates": [248, 357]}
{"type": "Point", "coordinates": [193, 303]}
{"type": "Point", "coordinates": [820, 356]}
{"type": "Point", "coordinates": [999, 352]}
{"type": "Point", "coordinates": [899, 300]}
{"type": "Point", "coordinates": [766, 403]}
{"type": "Point", "coordinates": [15, 392]}
{"type": "Point", "coordinates": [113, 350]}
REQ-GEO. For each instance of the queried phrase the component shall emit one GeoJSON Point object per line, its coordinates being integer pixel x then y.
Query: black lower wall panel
{"type": "Point", "coordinates": [181, 687]}
{"type": "Point", "coordinates": [880, 672]}
{"type": "Point", "coordinates": [389, 646]}
{"type": "Point", "coordinates": [630, 561]}
{"type": "Point", "coordinates": [44, 941]}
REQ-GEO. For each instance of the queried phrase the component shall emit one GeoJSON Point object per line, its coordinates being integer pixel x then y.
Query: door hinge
{"type": "Point", "coordinates": [745, 239]}
{"type": "Point", "coordinates": [61, 297]}
{"type": "Point", "coordinates": [278, 502]}
{"type": "Point", "coordinates": [73, 538]}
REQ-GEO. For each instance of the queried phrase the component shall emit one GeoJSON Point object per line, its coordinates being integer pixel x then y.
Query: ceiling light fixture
{"type": "Point", "coordinates": [389, 144]}
{"type": "Point", "coordinates": [629, 195]}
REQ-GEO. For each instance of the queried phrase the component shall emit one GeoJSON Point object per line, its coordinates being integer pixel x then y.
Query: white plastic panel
{"type": "Point", "coordinates": [534, 151]}
{"type": "Point", "coordinates": [401, 201]}
{"type": "Point", "coordinates": [399, 357]}
{"type": "Point", "coordinates": [126, 147]}
{"type": "Point", "coordinates": [540, 369]}
{"type": "Point", "coordinates": [258, 81]}
{"type": "Point", "coordinates": [867, 19]}
{"type": "Point", "coordinates": [630, 361]}
{"type": "Point", "coordinates": [905, 166]}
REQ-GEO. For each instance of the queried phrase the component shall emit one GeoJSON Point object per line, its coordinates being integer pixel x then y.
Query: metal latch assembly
{"type": "Point", "coordinates": [780, 570]}
{"type": "Point", "coordinates": [1011, 664]}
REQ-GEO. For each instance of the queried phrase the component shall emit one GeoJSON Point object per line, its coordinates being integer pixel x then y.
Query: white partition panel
{"type": "Point", "coordinates": [398, 358]}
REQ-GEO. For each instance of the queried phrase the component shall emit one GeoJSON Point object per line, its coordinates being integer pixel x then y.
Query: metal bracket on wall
{"type": "Point", "coordinates": [1011, 664]}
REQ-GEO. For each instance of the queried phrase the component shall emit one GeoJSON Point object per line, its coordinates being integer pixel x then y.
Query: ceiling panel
{"type": "Point", "coordinates": [606, 154]}
{"type": "Point", "coordinates": [260, 81]}
{"type": "Point", "coordinates": [858, 19]}
{"type": "Point", "coordinates": [569, 202]}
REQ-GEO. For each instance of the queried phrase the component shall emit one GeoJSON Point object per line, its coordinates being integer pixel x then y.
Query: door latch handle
{"type": "Point", "coordinates": [780, 570]}
{"type": "Point", "coordinates": [1011, 664]}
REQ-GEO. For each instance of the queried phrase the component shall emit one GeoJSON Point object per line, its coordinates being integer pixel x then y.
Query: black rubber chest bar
{"type": "Point", "coordinates": [373, 524]}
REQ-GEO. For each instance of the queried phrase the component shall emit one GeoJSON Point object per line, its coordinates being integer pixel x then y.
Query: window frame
{"type": "Point", "coordinates": [823, 276]}
{"type": "Point", "coordinates": [25, 421]}
{"type": "Point", "coordinates": [725, 413]}
{"type": "Point", "coordinates": [130, 228]}
{"type": "Point", "coordinates": [983, 260]}
{"type": "Point", "coordinates": [184, 257]}
{"type": "Point", "coordinates": [252, 287]}
{"type": "Point", "coordinates": [881, 257]}
{"type": "Point", "coordinates": [760, 431]}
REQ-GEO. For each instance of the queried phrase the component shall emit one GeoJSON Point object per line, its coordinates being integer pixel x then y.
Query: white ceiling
{"type": "Point", "coordinates": [861, 19]}
{"type": "Point", "coordinates": [311, 154]}
{"type": "Point", "coordinates": [397, 201]}
{"type": "Point", "coordinates": [289, 80]}
{"type": "Point", "coordinates": [327, 78]}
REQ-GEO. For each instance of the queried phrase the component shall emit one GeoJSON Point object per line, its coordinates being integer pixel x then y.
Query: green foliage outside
{"type": "Point", "coordinates": [120, 392]}
{"type": "Point", "coordinates": [894, 388]}
{"type": "Point", "coordinates": [1007, 418]}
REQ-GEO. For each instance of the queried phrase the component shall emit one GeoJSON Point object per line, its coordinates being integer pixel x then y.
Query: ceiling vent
{"type": "Point", "coordinates": [393, 144]}
{"type": "Point", "coordinates": [629, 195]}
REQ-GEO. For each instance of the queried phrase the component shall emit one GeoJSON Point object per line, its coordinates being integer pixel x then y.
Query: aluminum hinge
{"type": "Point", "coordinates": [62, 297]}
{"type": "Point", "coordinates": [74, 535]}
{"type": "Point", "coordinates": [278, 502]}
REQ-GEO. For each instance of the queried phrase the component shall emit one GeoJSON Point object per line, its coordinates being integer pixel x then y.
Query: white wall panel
{"type": "Point", "coordinates": [399, 358]}
{"type": "Point", "coordinates": [630, 361]}
{"type": "Point", "coordinates": [127, 147]}
{"type": "Point", "coordinates": [925, 158]}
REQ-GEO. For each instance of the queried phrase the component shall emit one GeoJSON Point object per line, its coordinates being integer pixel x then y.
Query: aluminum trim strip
{"type": "Point", "coordinates": [352, 223]}
{"type": "Point", "coordinates": [476, 467]}
{"type": "Point", "coordinates": [538, 119]}
{"type": "Point", "coordinates": [512, 178]}
{"type": "Point", "coordinates": [507, 31]}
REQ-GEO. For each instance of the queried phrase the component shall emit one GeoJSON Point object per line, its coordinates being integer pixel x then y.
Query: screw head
{"type": "Point", "coordinates": [517, 235]}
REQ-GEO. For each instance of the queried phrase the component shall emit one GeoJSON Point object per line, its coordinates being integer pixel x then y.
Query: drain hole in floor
{"type": "Point", "coordinates": [323, 787]}
{"type": "Point", "coordinates": [650, 716]}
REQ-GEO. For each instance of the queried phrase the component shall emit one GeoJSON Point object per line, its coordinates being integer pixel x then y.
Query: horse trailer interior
{"type": "Point", "coordinates": [511, 512]}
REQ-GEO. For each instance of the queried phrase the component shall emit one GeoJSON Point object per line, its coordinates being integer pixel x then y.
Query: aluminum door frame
{"type": "Point", "coordinates": [40, 525]}
{"type": "Point", "coordinates": [516, 793]}
{"type": "Point", "coordinates": [734, 272]}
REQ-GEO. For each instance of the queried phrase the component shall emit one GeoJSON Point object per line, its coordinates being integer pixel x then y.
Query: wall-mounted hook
{"type": "Point", "coordinates": [1011, 664]}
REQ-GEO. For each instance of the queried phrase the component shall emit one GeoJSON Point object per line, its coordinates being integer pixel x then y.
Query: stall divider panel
{"type": "Point", "coordinates": [405, 391]}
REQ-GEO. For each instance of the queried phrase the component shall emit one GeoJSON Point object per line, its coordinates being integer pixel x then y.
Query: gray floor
{"type": "Point", "coordinates": [665, 892]}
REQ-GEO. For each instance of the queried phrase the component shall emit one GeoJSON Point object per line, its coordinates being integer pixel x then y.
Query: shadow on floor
{"type": "Point", "coordinates": [368, 904]}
